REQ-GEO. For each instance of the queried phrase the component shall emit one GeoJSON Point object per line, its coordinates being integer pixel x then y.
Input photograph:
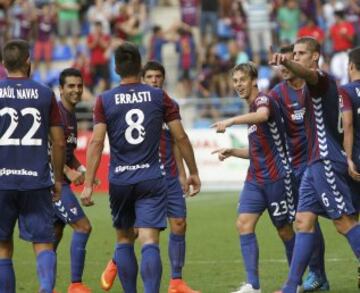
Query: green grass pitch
{"type": "Point", "coordinates": [213, 260]}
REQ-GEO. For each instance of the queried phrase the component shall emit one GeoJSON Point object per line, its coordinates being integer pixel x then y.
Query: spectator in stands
{"type": "Point", "coordinates": [69, 20]}
{"type": "Point", "coordinates": [22, 17]}
{"type": "Point", "coordinates": [238, 23]}
{"type": "Point", "coordinates": [342, 35]}
{"type": "Point", "coordinates": [310, 29]}
{"type": "Point", "coordinates": [189, 11]}
{"type": "Point", "coordinates": [82, 63]}
{"type": "Point", "coordinates": [44, 36]}
{"type": "Point", "coordinates": [99, 44]}
{"type": "Point", "coordinates": [288, 18]}
{"type": "Point", "coordinates": [208, 18]}
{"type": "Point", "coordinates": [3, 73]}
{"type": "Point", "coordinates": [3, 24]}
{"type": "Point", "coordinates": [119, 23]}
{"type": "Point", "coordinates": [355, 16]}
{"type": "Point", "coordinates": [100, 12]}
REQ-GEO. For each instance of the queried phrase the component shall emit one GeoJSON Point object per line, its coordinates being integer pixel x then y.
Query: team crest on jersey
{"type": "Point", "coordinates": [298, 115]}
{"type": "Point", "coordinates": [74, 211]}
{"type": "Point", "coordinates": [252, 129]}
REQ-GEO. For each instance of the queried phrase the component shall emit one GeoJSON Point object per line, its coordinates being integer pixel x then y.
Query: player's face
{"type": "Point", "coordinates": [72, 89]}
{"type": "Point", "coordinates": [154, 78]}
{"type": "Point", "coordinates": [242, 84]}
{"type": "Point", "coordinates": [303, 55]}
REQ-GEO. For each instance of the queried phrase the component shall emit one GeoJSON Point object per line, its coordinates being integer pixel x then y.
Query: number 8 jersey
{"type": "Point", "coordinates": [27, 111]}
{"type": "Point", "coordinates": [134, 114]}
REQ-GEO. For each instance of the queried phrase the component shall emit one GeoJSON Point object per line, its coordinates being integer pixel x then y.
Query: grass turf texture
{"type": "Point", "coordinates": [213, 260]}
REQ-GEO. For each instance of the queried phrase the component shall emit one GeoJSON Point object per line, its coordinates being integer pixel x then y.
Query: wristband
{"type": "Point", "coordinates": [81, 169]}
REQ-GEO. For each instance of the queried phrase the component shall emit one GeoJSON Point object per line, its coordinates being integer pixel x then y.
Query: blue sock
{"type": "Point", "coordinates": [77, 253]}
{"type": "Point", "coordinates": [250, 253]}
{"type": "Point", "coordinates": [151, 268]}
{"type": "Point", "coordinates": [353, 237]}
{"type": "Point", "coordinates": [127, 266]}
{"type": "Point", "coordinates": [289, 248]}
{"type": "Point", "coordinates": [303, 248]}
{"type": "Point", "coordinates": [317, 260]}
{"type": "Point", "coordinates": [7, 276]}
{"type": "Point", "coordinates": [46, 270]}
{"type": "Point", "coordinates": [176, 254]}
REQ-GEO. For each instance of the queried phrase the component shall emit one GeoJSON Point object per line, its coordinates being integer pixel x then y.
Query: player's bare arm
{"type": "Point", "coordinates": [58, 158]}
{"type": "Point", "coordinates": [93, 157]}
{"type": "Point", "coordinates": [181, 168]}
{"type": "Point", "coordinates": [261, 115]}
{"type": "Point", "coordinates": [309, 75]}
{"type": "Point", "coordinates": [224, 153]}
{"type": "Point", "coordinates": [184, 145]}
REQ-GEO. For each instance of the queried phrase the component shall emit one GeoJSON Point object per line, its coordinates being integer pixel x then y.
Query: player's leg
{"type": "Point", "coordinates": [251, 205]}
{"type": "Point", "coordinates": [176, 213]}
{"type": "Point", "coordinates": [150, 211]}
{"type": "Point", "coordinates": [8, 217]}
{"type": "Point", "coordinates": [36, 226]}
{"type": "Point", "coordinates": [122, 205]}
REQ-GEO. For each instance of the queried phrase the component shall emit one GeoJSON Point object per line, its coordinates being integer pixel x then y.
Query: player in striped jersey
{"type": "Point", "coordinates": [291, 94]}
{"type": "Point", "coordinates": [269, 182]}
{"type": "Point", "coordinates": [324, 188]}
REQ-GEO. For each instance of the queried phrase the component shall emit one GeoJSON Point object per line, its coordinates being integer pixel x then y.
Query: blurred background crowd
{"type": "Point", "coordinates": [198, 41]}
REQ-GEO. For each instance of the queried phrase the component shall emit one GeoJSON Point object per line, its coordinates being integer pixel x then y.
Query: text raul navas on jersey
{"type": "Point", "coordinates": [19, 93]}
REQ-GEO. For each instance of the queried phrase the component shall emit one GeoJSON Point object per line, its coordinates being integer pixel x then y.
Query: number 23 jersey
{"type": "Point", "coordinates": [134, 115]}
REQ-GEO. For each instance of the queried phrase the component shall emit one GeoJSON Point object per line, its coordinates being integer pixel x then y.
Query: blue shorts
{"type": "Point", "coordinates": [279, 198]}
{"type": "Point", "coordinates": [68, 209]}
{"type": "Point", "coordinates": [324, 190]}
{"type": "Point", "coordinates": [176, 206]}
{"type": "Point", "coordinates": [140, 205]}
{"type": "Point", "coordinates": [35, 213]}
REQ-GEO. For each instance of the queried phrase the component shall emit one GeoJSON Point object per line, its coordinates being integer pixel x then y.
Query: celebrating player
{"type": "Point", "coordinates": [269, 183]}
{"type": "Point", "coordinates": [133, 114]}
{"type": "Point", "coordinates": [28, 115]}
{"type": "Point", "coordinates": [291, 94]}
{"type": "Point", "coordinates": [324, 189]}
{"type": "Point", "coordinates": [153, 73]}
{"type": "Point", "coordinates": [67, 209]}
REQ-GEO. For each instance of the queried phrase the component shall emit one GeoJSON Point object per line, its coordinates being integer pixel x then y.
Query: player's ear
{"type": "Point", "coordinates": [316, 56]}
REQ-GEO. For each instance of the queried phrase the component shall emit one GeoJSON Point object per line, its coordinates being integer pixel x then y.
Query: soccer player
{"type": "Point", "coordinates": [324, 189]}
{"type": "Point", "coordinates": [29, 114]}
{"type": "Point", "coordinates": [132, 114]}
{"type": "Point", "coordinates": [67, 209]}
{"type": "Point", "coordinates": [269, 183]}
{"type": "Point", "coordinates": [153, 73]}
{"type": "Point", "coordinates": [291, 94]}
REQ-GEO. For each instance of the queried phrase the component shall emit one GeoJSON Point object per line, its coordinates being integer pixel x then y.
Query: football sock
{"type": "Point", "coordinates": [353, 237]}
{"type": "Point", "coordinates": [46, 270]}
{"type": "Point", "coordinates": [289, 248]}
{"type": "Point", "coordinates": [127, 266]}
{"type": "Point", "coordinates": [176, 251]}
{"type": "Point", "coordinates": [250, 253]}
{"type": "Point", "coordinates": [7, 276]}
{"type": "Point", "coordinates": [151, 268]}
{"type": "Point", "coordinates": [317, 261]}
{"type": "Point", "coordinates": [303, 248]}
{"type": "Point", "coordinates": [77, 254]}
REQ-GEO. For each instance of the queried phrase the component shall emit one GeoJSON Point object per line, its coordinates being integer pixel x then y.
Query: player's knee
{"type": "Point", "coordinates": [304, 224]}
{"type": "Point", "coordinates": [6, 249]}
{"type": "Point", "coordinates": [244, 225]}
{"type": "Point", "coordinates": [344, 224]}
{"type": "Point", "coordinates": [83, 227]}
{"type": "Point", "coordinates": [178, 226]}
{"type": "Point", "coordinates": [286, 232]}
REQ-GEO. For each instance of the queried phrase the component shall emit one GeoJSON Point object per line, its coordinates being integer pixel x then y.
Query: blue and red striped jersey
{"type": "Point", "coordinates": [167, 154]}
{"type": "Point", "coordinates": [350, 94]}
{"type": "Point", "coordinates": [134, 115]}
{"type": "Point", "coordinates": [267, 146]}
{"type": "Point", "coordinates": [292, 106]}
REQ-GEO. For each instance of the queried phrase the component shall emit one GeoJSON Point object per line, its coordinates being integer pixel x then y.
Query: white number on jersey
{"type": "Point", "coordinates": [28, 139]}
{"type": "Point", "coordinates": [135, 126]}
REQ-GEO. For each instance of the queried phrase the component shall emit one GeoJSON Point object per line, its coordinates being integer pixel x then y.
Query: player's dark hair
{"type": "Point", "coordinates": [248, 68]}
{"type": "Point", "coordinates": [153, 65]}
{"type": "Point", "coordinates": [15, 54]}
{"type": "Point", "coordinates": [310, 42]}
{"type": "Point", "coordinates": [127, 60]}
{"type": "Point", "coordinates": [287, 49]}
{"type": "Point", "coordinates": [68, 72]}
{"type": "Point", "coordinates": [354, 57]}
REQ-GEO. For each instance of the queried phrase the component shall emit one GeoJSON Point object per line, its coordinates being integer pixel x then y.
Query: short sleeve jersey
{"type": "Point", "coordinates": [323, 121]}
{"type": "Point", "coordinates": [134, 115]}
{"type": "Point", "coordinates": [267, 146]}
{"type": "Point", "coordinates": [350, 94]}
{"type": "Point", "coordinates": [27, 111]}
{"type": "Point", "coordinates": [292, 106]}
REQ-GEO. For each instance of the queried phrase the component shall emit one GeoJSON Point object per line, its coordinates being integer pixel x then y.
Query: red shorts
{"type": "Point", "coordinates": [43, 50]}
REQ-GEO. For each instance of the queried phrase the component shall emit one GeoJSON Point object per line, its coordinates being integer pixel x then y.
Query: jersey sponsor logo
{"type": "Point", "coordinates": [21, 172]}
{"type": "Point", "coordinates": [71, 138]}
{"type": "Point", "coordinates": [357, 90]}
{"type": "Point", "coordinates": [22, 93]}
{"type": "Point", "coordinates": [252, 129]}
{"type": "Point", "coordinates": [263, 100]}
{"type": "Point", "coordinates": [298, 115]}
{"type": "Point", "coordinates": [121, 169]}
{"type": "Point", "coordinates": [132, 98]}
